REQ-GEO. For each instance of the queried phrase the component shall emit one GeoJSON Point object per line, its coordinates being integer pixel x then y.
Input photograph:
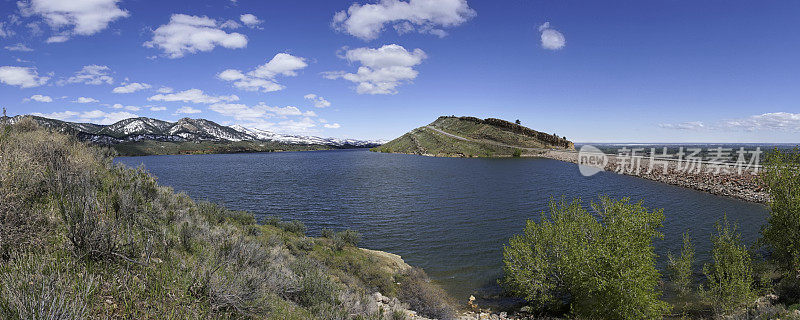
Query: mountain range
{"type": "Point", "coordinates": [183, 130]}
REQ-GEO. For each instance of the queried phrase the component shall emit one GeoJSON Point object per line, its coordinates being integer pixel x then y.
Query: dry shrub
{"type": "Point", "coordinates": [425, 297]}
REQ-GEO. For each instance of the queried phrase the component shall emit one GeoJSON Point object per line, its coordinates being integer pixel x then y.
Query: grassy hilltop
{"type": "Point", "coordinates": [472, 137]}
{"type": "Point", "coordinates": [82, 238]}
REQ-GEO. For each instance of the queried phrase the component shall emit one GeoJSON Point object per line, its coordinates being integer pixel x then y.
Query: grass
{"type": "Point", "coordinates": [82, 238]}
{"type": "Point", "coordinates": [484, 137]}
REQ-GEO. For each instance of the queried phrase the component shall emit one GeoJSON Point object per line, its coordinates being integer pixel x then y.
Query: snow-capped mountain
{"type": "Point", "coordinates": [186, 129]}
{"type": "Point", "coordinates": [265, 135]}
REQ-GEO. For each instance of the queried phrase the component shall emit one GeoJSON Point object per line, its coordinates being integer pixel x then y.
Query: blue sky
{"type": "Point", "coordinates": [594, 71]}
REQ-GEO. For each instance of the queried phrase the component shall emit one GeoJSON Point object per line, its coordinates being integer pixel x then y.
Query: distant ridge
{"type": "Point", "coordinates": [453, 136]}
{"type": "Point", "coordinates": [183, 130]}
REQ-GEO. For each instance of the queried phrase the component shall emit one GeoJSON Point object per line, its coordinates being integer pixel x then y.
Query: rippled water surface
{"type": "Point", "coordinates": [450, 216]}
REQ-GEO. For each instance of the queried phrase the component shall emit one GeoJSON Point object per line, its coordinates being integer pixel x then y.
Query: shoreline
{"type": "Point", "coordinates": [746, 187]}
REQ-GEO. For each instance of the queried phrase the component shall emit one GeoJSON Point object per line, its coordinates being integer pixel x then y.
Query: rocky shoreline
{"type": "Point", "coordinates": [746, 186]}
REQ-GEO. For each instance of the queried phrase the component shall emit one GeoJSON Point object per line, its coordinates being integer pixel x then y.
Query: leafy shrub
{"type": "Point", "coordinates": [782, 233]}
{"type": "Point", "coordinates": [517, 153]}
{"type": "Point", "coordinates": [680, 269]}
{"type": "Point", "coordinates": [346, 238]}
{"type": "Point", "coordinates": [548, 264]}
{"type": "Point", "coordinates": [730, 277]}
{"type": "Point", "coordinates": [294, 226]}
{"type": "Point", "coordinates": [327, 233]}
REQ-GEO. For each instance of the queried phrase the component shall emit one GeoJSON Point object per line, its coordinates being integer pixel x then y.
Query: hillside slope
{"type": "Point", "coordinates": [82, 238]}
{"type": "Point", "coordinates": [472, 137]}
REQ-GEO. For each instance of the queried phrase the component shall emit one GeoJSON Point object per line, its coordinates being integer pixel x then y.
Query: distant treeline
{"type": "Point", "coordinates": [519, 129]}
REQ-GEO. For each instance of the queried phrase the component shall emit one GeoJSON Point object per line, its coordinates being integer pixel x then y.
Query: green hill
{"type": "Point", "coordinates": [452, 136]}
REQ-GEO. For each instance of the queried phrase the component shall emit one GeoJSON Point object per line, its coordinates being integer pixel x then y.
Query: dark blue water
{"type": "Point", "coordinates": [450, 216]}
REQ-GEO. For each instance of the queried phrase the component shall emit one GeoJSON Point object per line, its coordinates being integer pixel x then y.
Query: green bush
{"type": "Point", "coordinates": [346, 238]}
{"type": "Point", "coordinates": [294, 226]}
{"type": "Point", "coordinates": [730, 278]}
{"type": "Point", "coordinates": [598, 265]}
{"type": "Point", "coordinates": [782, 232]}
{"type": "Point", "coordinates": [680, 269]}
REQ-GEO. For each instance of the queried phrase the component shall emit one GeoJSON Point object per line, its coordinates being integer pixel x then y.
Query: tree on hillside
{"type": "Point", "coordinates": [548, 263]}
{"type": "Point", "coordinates": [518, 122]}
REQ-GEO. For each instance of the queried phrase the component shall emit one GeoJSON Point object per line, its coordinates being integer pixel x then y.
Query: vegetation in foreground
{"type": "Point", "coordinates": [82, 238]}
{"type": "Point", "coordinates": [600, 263]}
{"type": "Point", "coordinates": [487, 138]}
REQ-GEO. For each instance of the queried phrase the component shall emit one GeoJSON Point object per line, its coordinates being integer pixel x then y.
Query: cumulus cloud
{"type": "Point", "coordinates": [158, 108]}
{"type": "Point", "coordinates": [190, 34]}
{"type": "Point", "coordinates": [194, 96]}
{"type": "Point", "coordinates": [332, 125]}
{"type": "Point", "coordinates": [318, 101]}
{"type": "Point", "coordinates": [18, 47]}
{"type": "Point", "coordinates": [262, 78]}
{"type": "Point", "coordinates": [187, 110]}
{"type": "Point", "coordinates": [250, 20]}
{"type": "Point", "coordinates": [165, 90]}
{"type": "Point", "coordinates": [131, 87]}
{"type": "Point", "coordinates": [551, 39]}
{"type": "Point", "coordinates": [21, 77]}
{"type": "Point", "coordinates": [91, 74]}
{"type": "Point", "coordinates": [95, 116]}
{"type": "Point", "coordinates": [382, 70]}
{"type": "Point", "coordinates": [230, 24]}
{"type": "Point", "coordinates": [74, 17]}
{"type": "Point", "coordinates": [129, 108]}
{"type": "Point", "coordinates": [39, 98]}
{"type": "Point", "coordinates": [85, 100]}
{"type": "Point", "coordinates": [367, 21]}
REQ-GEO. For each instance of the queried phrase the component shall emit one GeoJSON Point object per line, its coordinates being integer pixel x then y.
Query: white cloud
{"type": "Point", "coordinates": [158, 108]}
{"type": "Point", "coordinates": [230, 24]}
{"type": "Point", "coordinates": [263, 77]}
{"type": "Point", "coordinates": [260, 111]}
{"type": "Point", "coordinates": [319, 102]}
{"type": "Point", "coordinates": [551, 39]}
{"type": "Point", "coordinates": [86, 100]}
{"type": "Point", "coordinates": [21, 76]}
{"type": "Point", "coordinates": [332, 126]}
{"type": "Point", "coordinates": [692, 125]}
{"type": "Point", "coordinates": [382, 70]}
{"type": "Point", "coordinates": [165, 90]}
{"type": "Point", "coordinates": [194, 96]}
{"type": "Point", "coordinates": [129, 108]}
{"type": "Point", "coordinates": [18, 47]}
{"type": "Point", "coordinates": [91, 74]}
{"type": "Point", "coordinates": [250, 20]}
{"type": "Point", "coordinates": [5, 31]}
{"type": "Point", "coordinates": [131, 87]}
{"type": "Point", "coordinates": [773, 121]}
{"type": "Point", "coordinates": [425, 16]}
{"type": "Point", "coordinates": [73, 17]}
{"type": "Point", "coordinates": [187, 110]}
{"type": "Point", "coordinates": [57, 39]}
{"type": "Point", "coordinates": [95, 116]}
{"type": "Point", "coordinates": [190, 34]}
{"type": "Point", "coordinates": [39, 98]}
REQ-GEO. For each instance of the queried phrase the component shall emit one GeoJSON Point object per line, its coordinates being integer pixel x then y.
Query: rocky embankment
{"type": "Point", "coordinates": [724, 181]}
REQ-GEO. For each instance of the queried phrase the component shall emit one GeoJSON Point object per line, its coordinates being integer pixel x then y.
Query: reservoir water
{"type": "Point", "coordinates": [450, 216]}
